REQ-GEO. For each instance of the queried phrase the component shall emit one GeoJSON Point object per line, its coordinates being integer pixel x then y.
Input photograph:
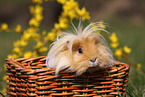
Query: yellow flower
{"type": "Point", "coordinates": [16, 43]}
{"type": "Point", "coordinates": [126, 49]}
{"type": "Point", "coordinates": [38, 9]}
{"type": "Point", "coordinates": [62, 1]}
{"type": "Point", "coordinates": [139, 66]}
{"type": "Point", "coordinates": [56, 26]}
{"type": "Point", "coordinates": [26, 36]}
{"type": "Point", "coordinates": [9, 56]}
{"type": "Point", "coordinates": [70, 5]}
{"type": "Point", "coordinates": [118, 53]}
{"type": "Point", "coordinates": [36, 36]}
{"type": "Point", "coordinates": [13, 56]}
{"type": "Point", "coordinates": [83, 13]}
{"type": "Point", "coordinates": [63, 25]}
{"type": "Point", "coordinates": [114, 44]}
{"type": "Point", "coordinates": [43, 49]}
{"type": "Point", "coordinates": [101, 24]}
{"type": "Point", "coordinates": [17, 50]}
{"type": "Point", "coordinates": [51, 36]}
{"type": "Point", "coordinates": [4, 26]}
{"type": "Point", "coordinates": [72, 14]}
{"type": "Point", "coordinates": [5, 77]}
{"type": "Point", "coordinates": [5, 67]}
{"type": "Point", "coordinates": [113, 38]}
{"type": "Point", "coordinates": [34, 22]}
{"type": "Point", "coordinates": [31, 30]}
{"type": "Point", "coordinates": [37, 1]}
{"type": "Point", "coordinates": [18, 28]}
{"type": "Point", "coordinates": [32, 9]}
{"type": "Point", "coordinates": [38, 17]}
{"type": "Point", "coordinates": [4, 90]}
{"type": "Point", "coordinates": [23, 43]}
{"type": "Point", "coordinates": [63, 19]}
{"type": "Point", "coordinates": [39, 44]}
{"type": "Point", "coordinates": [27, 54]}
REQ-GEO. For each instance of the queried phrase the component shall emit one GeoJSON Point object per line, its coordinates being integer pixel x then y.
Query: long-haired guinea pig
{"type": "Point", "coordinates": [79, 51]}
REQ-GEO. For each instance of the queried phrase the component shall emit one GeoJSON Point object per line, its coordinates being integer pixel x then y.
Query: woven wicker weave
{"type": "Point", "coordinates": [30, 77]}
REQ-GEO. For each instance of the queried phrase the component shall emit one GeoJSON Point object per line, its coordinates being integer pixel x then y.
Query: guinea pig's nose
{"type": "Point", "coordinates": [93, 59]}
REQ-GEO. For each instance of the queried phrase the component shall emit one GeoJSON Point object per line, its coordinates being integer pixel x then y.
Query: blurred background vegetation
{"type": "Point", "coordinates": [124, 17]}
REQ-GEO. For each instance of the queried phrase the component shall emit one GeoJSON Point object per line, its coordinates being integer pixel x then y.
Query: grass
{"type": "Point", "coordinates": [128, 34]}
{"type": "Point", "coordinates": [132, 36]}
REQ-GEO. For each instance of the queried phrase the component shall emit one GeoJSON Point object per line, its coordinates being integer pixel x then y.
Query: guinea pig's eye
{"type": "Point", "coordinates": [80, 51]}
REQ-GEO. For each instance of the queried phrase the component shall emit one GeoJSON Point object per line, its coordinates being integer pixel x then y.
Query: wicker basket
{"type": "Point", "coordinates": [30, 77]}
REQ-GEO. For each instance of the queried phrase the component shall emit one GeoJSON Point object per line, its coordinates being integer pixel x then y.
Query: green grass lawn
{"type": "Point", "coordinates": [128, 34]}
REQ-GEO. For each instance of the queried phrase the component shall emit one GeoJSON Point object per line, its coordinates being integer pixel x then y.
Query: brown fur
{"type": "Point", "coordinates": [90, 46]}
{"type": "Point", "coordinates": [80, 52]}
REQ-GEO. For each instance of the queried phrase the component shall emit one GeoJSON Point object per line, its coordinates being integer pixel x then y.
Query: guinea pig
{"type": "Point", "coordinates": [80, 50]}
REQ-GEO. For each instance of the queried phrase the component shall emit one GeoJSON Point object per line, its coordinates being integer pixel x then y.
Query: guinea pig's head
{"type": "Point", "coordinates": [90, 52]}
{"type": "Point", "coordinates": [78, 52]}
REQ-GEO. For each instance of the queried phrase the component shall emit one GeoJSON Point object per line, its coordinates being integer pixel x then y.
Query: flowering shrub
{"type": "Point", "coordinates": [70, 11]}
